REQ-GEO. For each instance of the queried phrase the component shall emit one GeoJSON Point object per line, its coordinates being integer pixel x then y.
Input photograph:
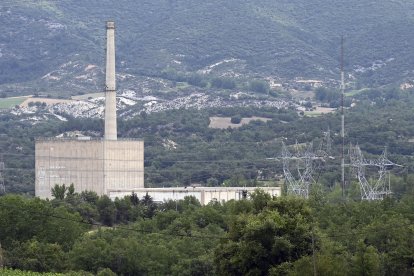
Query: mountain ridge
{"type": "Point", "coordinates": [285, 39]}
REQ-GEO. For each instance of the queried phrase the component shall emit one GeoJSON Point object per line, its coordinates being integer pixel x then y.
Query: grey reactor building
{"type": "Point", "coordinates": [98, 165]}
{"type": "Point", "coordinates": [111, 166]}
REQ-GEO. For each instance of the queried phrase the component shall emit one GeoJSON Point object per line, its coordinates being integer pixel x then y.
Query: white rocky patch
{"type": "Point", "coordinates": [128, 93]}
{"type": "Point", "coordinates": [61, 118]}
{"type": "Point", "coordinates": [126, 101]}
{"type": "Point", "coordinates": [209, 68]}
{"type": "Point", "coordinates": [169, 144]}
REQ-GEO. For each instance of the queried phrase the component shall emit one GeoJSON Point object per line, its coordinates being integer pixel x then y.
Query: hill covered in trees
{"type": "Point", "coordinates": [284, 39]}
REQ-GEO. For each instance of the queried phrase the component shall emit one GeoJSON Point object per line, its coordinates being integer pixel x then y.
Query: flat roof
{"type": "Point", "coordinates": [82, 139]}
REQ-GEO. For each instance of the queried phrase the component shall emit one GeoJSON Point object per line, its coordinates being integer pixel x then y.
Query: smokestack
{"type": "Point", "coordinates": [110, 90]}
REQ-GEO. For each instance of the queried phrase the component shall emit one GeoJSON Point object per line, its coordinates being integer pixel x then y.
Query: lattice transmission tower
{"type": "Point", "coordinates": [376, 189]}
{"type": "Point", "coordinates": [306, 162]}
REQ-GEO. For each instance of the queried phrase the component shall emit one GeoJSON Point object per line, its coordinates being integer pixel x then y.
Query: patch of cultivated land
{"type": "Point", "coordinates": [48, 101]}
{"type": "Point", "coordinates": [225, 122]}
{"type": "Point", "coordinates": [6, 103]}
{"type": "Point", "coordinates": [89, 95]}
{"type": "Point", "coordinates": [319, 111]}
{"type": "Point", "coordinates": [302, 95]}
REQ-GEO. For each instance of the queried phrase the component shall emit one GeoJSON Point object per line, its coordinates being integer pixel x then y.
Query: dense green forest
{"type": "Point", "coordinates": [285, 39]}
{"type": "Point", "coordinates": [82, 233]}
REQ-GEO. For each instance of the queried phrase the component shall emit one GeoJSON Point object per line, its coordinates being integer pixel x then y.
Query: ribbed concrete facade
{"type": "Point", "coordinates": [92, 165]}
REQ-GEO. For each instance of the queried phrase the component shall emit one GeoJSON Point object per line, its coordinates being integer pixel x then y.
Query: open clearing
{"type": "Point", "coordinates": [6, 103]}
{"type": "Point", "coordinates": [48, 101]}
{"type": "Point", "coordinates": [318, 111]}
{"type": "Point", "coordinates": [89, 95]}
{"type": "Point", "coordinates": [225, 122]}
{"type": "Point", "coordinates": [356, 92]}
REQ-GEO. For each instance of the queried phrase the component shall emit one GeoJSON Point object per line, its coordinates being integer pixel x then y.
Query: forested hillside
{"type": "Point", "coordinates": [181, 148]}
{"type": "Point", "coordinates": [284, 39]}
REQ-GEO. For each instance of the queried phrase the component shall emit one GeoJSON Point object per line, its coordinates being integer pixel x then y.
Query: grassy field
{"type": "Point", "coordinates": [356, 92]}
{"type": "Point", "coordinates": [89, 95]}
{"type": "Point", "coordinates": [6, 103]}
{"type": "Point", "coordinates": [225, 122]}
{"type": "Point", "coordinates": [319, 111]}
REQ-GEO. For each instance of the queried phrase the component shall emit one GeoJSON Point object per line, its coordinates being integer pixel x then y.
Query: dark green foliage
{"type": "Point", "coordinates": [89, 197]}
{"type": "Point", "coordinates": [224, 83]}
{"type": "Point", "coordinates": [265, 239]}
{"type": "Point", "coordinates": [257, 236]}
{"type": "Point", "coordinates": [197, 80]}
{"type": "Point", "coordinates": [105, 272]}
{"type": "Point", "coordinates": [59, 191]}
{"type": "Point", "coordinates": [22, 220]}
{"type": "Point", "coordinates": [36, 256]}
{"type": "Point", "coordinates": [107, 210]}
{"type": "Point", "coordinates": [235, 120]}
{"type": "Point", "coordinates": [326, 95]}
{"type": "Point", "coordinates": [259, 86]}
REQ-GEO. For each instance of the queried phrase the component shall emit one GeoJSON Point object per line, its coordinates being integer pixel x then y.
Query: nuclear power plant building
{"type": "Point", "coordinates": [92, 164]}
{"type": "Point", "coordinates": [111, 166]}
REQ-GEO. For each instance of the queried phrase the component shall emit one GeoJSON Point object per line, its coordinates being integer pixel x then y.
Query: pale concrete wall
{"type": "Point", "coordinates": [124, 164]}
{"type": "Point", "coordinates": [203, 194]}
{"type": "Point", "coordinates": [66, 162]}
{"type": "Point", "coordinates": [93, 165]}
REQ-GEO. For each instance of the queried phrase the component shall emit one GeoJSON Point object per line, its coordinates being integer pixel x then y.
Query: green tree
{"type": "Point", "coordinates": [90, 253]}
{"type": "Point", "coordinates": [107, 210]}
{"type": "Point", "coordinates": [89, 197]}
{"type": "Point", "coordinates": [236, 119]}
{"type": "Point", "coordinates": [259, 242]}
{"type": "Point", "coordinates": [259, 86]}
{"type": "Point", "coordinates": [366, 260]}
{"type": "Point", "coordinates": [105, 272]}
{"type": "Point", "coordinates": [33, 255]}
{"type": "Point", "coordinates": [150, 207]}
{"type": "Point", "coordinates": [59, 191]}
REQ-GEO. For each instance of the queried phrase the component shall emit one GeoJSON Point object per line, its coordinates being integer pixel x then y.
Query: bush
{"type": "Point", "coordinates": [235, 120]}
{"type": "Point", "coordinates": [259, 86]}
{"type": "Point", "coordinates": [224, 83]}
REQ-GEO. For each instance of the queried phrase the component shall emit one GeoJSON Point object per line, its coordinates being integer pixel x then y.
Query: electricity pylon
{"type": "Point", "coordinates": [378, 188]}
{"type": "Point", "coordinates": [306, 162]}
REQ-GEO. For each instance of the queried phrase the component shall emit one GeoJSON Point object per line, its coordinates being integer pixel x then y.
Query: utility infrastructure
{"type": "Point", "coordinates": [378, 188]}
{"type": "Point", "coordinates": [306, 163]}
{"type": "Point", "coordinates": [342, 119]}
{"type": "Point", "coordinates": [2, 187]}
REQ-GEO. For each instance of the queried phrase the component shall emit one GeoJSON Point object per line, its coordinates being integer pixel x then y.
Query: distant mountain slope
{"type": "Point", "coordinates": [283, 38]}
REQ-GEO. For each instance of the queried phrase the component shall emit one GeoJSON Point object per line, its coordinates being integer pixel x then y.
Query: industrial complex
{"type": "Point", "coordinates": [108, 165]}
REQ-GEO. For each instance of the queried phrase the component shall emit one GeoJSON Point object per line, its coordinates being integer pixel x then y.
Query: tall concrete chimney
{"type": "Point", "coordinates": [110, 90]}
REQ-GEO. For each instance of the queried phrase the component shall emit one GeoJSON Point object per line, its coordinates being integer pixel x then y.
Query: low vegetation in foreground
{"type": "Point", "coordinates": [83, 233]}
